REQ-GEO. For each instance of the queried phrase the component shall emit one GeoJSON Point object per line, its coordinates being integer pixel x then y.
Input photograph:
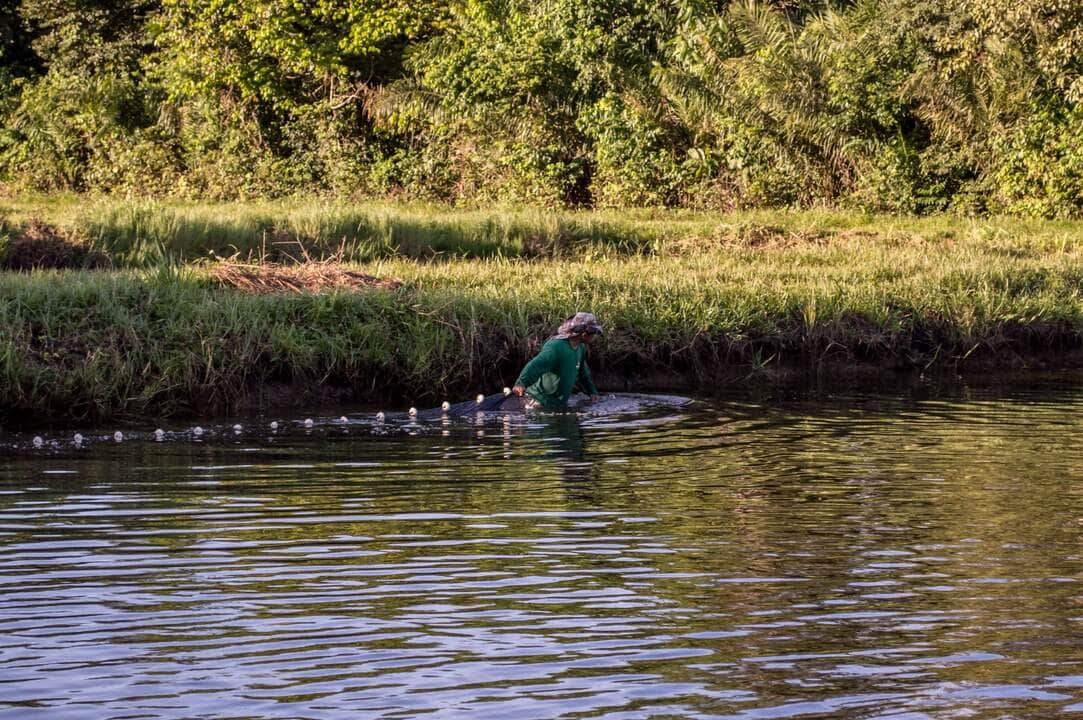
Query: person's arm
{"type": "Point", "coordinates": [541, 364]}
{"type": "Point", "coordinates": [586, 380]}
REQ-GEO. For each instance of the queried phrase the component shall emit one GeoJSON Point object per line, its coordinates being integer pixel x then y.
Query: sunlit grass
{"type": "Point", "coordinates": [146, 233]}
{"type": "Point", "coordinates": [167, 340]}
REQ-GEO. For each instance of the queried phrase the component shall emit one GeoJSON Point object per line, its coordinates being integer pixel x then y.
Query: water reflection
{"type": "Point", "coordinates": [850, 557]}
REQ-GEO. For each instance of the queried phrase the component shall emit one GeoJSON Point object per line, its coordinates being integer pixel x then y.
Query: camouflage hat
{"type": "Point", "coordinates": [581, 322]}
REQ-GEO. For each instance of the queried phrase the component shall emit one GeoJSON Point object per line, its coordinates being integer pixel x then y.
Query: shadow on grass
{"type": "Point", "coordinates": [150, 235]}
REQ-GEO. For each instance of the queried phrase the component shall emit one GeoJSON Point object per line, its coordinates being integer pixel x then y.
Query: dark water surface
{"type": "Point", "coordinates": [849, 556]}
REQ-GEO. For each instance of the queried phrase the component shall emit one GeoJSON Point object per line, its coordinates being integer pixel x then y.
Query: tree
{"type": "Point", "coordinates": [508, 92]}
{"type": "Point", "coordinates": [16, 56]}
{"type": "Point", "coordinates": [290, 52]}
{"type": "Point", "coordinates": [87, 36]}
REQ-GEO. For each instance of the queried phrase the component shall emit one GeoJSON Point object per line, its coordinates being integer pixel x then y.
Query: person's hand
{"type": "Point", "coordinates": [519, 390]}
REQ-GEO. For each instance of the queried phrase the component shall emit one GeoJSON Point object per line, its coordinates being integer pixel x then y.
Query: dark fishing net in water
{"type": "Point", "coordinates": [498, 402]}
{"type": "Point", "coordinates": [578, 403]}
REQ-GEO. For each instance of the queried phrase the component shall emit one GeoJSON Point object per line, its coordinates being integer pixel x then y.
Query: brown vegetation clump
{"type": "Point", "coordinates": [309, 277]}
{"type": "Point", "coordinates": [757, 237]}
{"type": "Point", "coordinates": [38, 245]}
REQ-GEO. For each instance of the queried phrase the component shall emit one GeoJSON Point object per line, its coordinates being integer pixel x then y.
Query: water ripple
{"type": "Point", "coordinates": [848, 557]}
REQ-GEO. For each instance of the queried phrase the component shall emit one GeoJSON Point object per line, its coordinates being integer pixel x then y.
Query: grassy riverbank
{"type": "Point", "coordinates": [705, 297]}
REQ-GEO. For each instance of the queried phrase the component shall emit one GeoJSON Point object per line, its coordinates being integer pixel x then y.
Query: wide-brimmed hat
{"type": "Point", "coordinates": [581, 322]}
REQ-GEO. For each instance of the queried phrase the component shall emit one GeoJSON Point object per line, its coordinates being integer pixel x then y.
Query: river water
{"type": "Point", "coordinates": [905, 554]}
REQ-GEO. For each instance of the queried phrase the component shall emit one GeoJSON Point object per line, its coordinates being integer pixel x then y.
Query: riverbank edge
{"type": "Point", "coordinates": [167, 349]}
{"type": "Point", "coordinates": [459, 299]}
{"type": "Point", "coordinates": [827, 374]}
{"type": "Point", "coordinates": [785, 379]}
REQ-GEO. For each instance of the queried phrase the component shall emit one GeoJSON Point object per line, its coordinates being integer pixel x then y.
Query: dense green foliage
{"type": "Point", "coordinates": [974, 106]}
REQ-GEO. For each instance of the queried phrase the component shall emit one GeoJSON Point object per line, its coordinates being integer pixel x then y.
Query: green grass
{"type": "Point", "coordinates": [149, 233]}
{"type": "Point", "coordinates": [703, 296]}
{"type": "Point", "coordinates": [832, 289]}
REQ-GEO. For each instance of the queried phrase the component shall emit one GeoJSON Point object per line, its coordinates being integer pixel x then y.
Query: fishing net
{"type": "Point", "coordinates": [497, 402]}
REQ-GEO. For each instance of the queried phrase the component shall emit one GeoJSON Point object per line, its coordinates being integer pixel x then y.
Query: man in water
{"type": "Point", "coordinates": [548, 379]}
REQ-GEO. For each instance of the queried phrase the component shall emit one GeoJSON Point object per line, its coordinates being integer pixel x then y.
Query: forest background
{"type": "Point", "coordinates": [909, 106]}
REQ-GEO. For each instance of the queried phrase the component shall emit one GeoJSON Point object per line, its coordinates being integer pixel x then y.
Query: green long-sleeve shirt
{"type": "Point", "coordinates": [551, 375]}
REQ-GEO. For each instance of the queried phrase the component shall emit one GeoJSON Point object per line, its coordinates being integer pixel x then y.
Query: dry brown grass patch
{"type": "Point", "coordinates": [310, 277]}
